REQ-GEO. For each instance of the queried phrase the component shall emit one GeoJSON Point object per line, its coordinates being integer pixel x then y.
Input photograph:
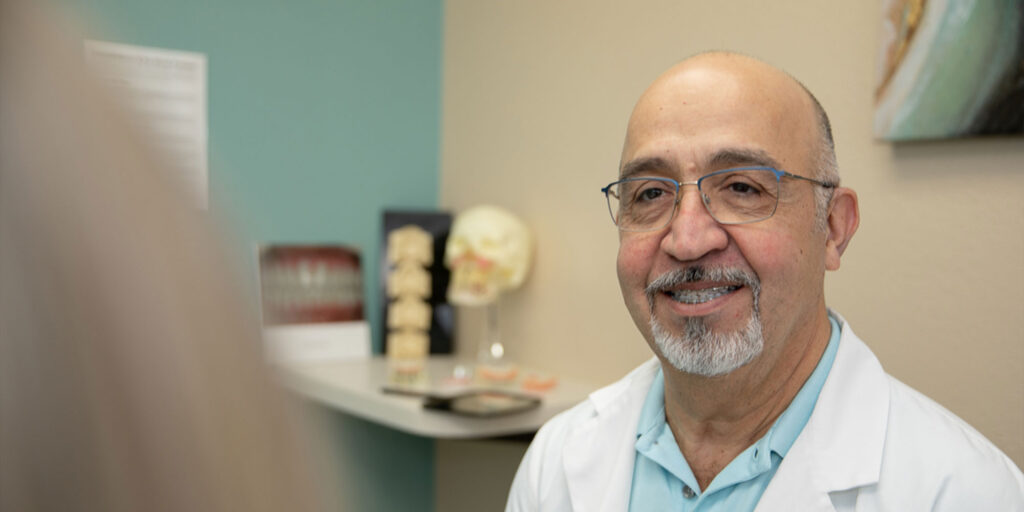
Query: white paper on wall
{"type": "Point", "coordinates": [166, 91]}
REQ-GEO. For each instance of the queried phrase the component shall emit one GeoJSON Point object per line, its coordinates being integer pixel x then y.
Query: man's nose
{"type": "Point", "coordinates": [693, 232]}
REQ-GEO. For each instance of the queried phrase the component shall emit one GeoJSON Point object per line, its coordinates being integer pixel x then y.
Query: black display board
{"type": "Point", "coordinates": [442, 314]}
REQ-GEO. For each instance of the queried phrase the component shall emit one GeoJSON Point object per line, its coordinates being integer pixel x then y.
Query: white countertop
{"type": "Point", "coordinates": [354, 387]}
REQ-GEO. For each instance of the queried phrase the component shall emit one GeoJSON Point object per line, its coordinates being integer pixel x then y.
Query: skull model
{"type": "Point", "coordinates": [488, 253]}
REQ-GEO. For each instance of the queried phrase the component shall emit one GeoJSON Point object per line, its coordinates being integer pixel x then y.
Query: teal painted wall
{"type": "Point", "coordinates": [321, 113]}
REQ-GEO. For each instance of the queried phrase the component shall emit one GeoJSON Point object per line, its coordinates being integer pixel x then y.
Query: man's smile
{"type": "Point", "coordinates": [700, 295]}
{"type": "Point", "coordinates": [699, 285]}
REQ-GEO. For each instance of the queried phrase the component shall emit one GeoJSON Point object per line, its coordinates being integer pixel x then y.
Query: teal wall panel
{"type": "Point", "coordinates": [321, 114]}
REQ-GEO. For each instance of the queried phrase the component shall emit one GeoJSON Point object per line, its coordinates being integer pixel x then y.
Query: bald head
{"type": "Point", "coordinates": [738, 101]}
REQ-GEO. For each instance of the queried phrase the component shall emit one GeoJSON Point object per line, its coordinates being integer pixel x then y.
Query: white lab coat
{"type": "Point", "coordinates": [872, 443]}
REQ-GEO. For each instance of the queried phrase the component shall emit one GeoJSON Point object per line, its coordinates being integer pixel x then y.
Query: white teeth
{"type": "Point", "coordinates": [702, 295]}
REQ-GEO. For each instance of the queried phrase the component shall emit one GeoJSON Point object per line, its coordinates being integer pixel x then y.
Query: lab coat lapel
{"type": "Point", "coordinates": [598, 456]}
{"type": "Point", "coordinates": [841, 446]}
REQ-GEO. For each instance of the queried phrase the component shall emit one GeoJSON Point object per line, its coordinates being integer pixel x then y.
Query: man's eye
{"type": "Point", "coordinates": [742, 188]}
{"type": "Point", "coordinates": [650, 194]}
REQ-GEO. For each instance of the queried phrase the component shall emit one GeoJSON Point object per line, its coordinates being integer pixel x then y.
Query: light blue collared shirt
{"type": "Point", "coordinates": [662, 479]}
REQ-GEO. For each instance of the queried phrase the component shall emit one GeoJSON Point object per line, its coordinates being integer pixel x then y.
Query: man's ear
{"type": "Point", "coordinates": [843, 219]}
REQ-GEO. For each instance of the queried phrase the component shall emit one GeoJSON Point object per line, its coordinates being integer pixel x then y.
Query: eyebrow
{"type": "Point", "coordinates": [644, 166]}
{"type": "Point", "coordinates": [721, 159]}
{"type": "Point", "coordinates": [733, 157]}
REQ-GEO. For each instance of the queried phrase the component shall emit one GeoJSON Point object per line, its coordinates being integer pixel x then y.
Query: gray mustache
{"type": "Point", "coordinates": [699, 273]}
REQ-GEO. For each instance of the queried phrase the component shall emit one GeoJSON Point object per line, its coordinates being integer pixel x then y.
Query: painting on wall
{"type": "Point", "coordinates": [950, 68]}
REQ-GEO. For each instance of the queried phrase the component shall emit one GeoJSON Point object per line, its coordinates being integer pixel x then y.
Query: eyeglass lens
{"type": "Point", "coordinates": [733, 197]}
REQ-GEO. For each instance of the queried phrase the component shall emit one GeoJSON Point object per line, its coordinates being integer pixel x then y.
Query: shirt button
{"type": "Point", "coordinates": [687, 492]}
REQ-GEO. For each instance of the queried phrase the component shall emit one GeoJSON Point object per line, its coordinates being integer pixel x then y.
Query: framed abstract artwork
{"type": "Point", "coordinates": [950, 68]}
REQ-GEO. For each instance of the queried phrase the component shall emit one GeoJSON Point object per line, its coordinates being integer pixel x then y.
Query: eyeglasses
{"type": "Point", "coordinates": [732, 196]}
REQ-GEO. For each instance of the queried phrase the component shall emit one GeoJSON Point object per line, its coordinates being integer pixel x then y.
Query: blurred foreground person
{"type": "Point", "coordinates": [131, 375]}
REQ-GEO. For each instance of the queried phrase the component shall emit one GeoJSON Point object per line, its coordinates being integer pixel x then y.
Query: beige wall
{"type": "Point", "coordinates": [536, 97]}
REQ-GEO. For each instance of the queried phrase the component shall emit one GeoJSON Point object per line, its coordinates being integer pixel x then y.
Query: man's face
{"type": "Point", "coordinates": [710, 115]}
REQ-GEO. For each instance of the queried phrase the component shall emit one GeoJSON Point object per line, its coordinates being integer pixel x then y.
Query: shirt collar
{"type": "Point", "coordinates": [791, 422]}
{"type": "Point", "coordinates": [652, 415]}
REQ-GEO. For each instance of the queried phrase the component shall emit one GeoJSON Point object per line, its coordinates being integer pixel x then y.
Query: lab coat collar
{"type": "Point", "coordinates": [599, 480]}
{"type": "Point", "coordinates": [840, 448]}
